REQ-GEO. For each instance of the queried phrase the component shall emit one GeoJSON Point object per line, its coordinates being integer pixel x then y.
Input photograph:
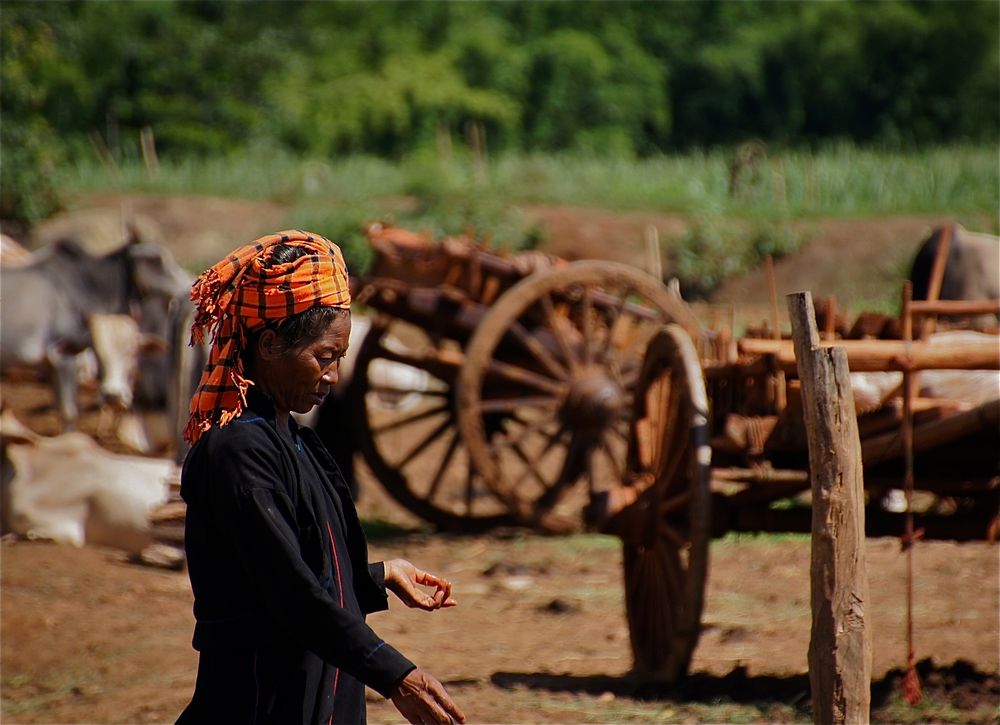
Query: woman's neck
{"type": "Point", "coordinates": [258, 375]}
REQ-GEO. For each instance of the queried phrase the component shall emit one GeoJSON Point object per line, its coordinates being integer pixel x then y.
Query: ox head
{"type": "Point", "coordinates": [118, 345]}
{"type": "Point", "coordinates": [154, 272]}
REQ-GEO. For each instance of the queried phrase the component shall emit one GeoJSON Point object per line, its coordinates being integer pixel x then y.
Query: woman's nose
{"type": "Point", "coordinates": [331, 376]}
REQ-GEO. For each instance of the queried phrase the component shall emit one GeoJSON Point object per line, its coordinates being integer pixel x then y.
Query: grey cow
{"type": "Point", "coordinates": [972, 270]}
{"type": "Point", "coordinates": [44, 305]}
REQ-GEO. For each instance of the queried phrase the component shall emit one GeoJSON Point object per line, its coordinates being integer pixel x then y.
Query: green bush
{"type": "Point", "coordinates": [28, 160]}
{"type": "Point", "coordinates": [715, 248]}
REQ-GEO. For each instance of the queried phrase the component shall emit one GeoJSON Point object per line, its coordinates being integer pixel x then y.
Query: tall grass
{"type": "Point", "coordinates": [263, 174]}
{"type": "Point", "coordinates": [836, 181]}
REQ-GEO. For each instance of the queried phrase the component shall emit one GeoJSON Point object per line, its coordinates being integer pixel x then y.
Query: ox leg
{"type": "Point", "coordinates": [66, 371]}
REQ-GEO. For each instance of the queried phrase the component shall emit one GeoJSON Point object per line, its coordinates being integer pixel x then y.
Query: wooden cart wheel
{"type": "Point", "coordinates": [663, 509]}
{"type": "Point", "coordinates": [402, 401]}
{"type": "Point", "coordinates": [545, 392]}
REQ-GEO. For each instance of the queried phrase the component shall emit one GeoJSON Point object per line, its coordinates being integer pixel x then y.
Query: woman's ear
{"type": "Point", "coordinates": [268, 345]}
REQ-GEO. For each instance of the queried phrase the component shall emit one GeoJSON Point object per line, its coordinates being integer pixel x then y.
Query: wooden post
{"type": "Point", "coordinates": [654, 260]}
{"type": "Point", "coordinates": [830, 323]}
{"type": "Point", "coordinates": [911, 683]}
{"type": "Point", "coordinates": [475, 136]}
{"type": "Point", "coordinates": [936, 278]}
{"type": "Point", "coordinates": [840, 646]}
{"type": "Point", "coordinates": [148, 143]}
{"type": "Point", "coordinates": [778, 377]}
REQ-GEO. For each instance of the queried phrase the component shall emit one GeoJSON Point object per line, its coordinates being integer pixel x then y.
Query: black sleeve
{"type": "Point", "coordinates": [377, 572]}
{"type": "Point", "coordinates": [255, 517]}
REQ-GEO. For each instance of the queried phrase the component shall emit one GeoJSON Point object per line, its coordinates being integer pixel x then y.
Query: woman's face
{"type": "Point", "coordinates": [305, 375]}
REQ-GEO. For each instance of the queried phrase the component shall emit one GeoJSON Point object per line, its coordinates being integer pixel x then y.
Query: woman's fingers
{"type": "Point", "coordinates": [451, 709]}
{"type": "Point", "coordinates": [442, 595]}
{"type": "Point", "coordinates": [403, 578]}
{"type": "Point", "coordinates": [420, 698]}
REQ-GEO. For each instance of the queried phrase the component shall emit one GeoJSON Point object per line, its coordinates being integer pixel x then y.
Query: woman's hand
{"type": "Point", "coordinates": [422, 700]}
{"type": "Point", "coordinates": [402, 579]}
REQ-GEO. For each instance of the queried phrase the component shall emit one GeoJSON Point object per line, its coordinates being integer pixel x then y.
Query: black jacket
{"type": "Point", "coordinates": [278, 565]}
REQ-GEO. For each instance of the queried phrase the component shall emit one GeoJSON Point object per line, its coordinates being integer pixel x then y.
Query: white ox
{"type": "Point", "coordinates": [969, 386]}
{"type": "Point", "coordinates": [68, 489]}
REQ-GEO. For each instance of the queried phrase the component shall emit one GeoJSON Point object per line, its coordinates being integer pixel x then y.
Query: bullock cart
{"type": "Point", "coordinates": [564, 396]}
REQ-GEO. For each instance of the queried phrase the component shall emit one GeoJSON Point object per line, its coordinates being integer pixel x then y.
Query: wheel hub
{"type": "Point", "coordinates": [593, 401]}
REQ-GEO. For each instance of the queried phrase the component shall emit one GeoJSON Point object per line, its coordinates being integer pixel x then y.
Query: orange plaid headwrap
{"type": "Point", "coordinates": [240, 294]}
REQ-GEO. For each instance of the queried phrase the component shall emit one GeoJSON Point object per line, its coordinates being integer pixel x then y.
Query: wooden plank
{"type": "Point", "coordinates": [956, 307]}
{"type": "Point", "coordinates": [932, 434]}
{"type": "Point", "coordinates": [840, 645]}
{"type": "Point", "coordinates": [885, 355]}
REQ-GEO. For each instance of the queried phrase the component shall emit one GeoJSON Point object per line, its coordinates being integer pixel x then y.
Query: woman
{"type": "Point", "coordinates": [276, 554]}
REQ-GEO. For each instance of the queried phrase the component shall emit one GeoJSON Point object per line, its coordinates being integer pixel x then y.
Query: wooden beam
{"type": "Point", "coordinates": [955, 307]}
{"type": "Point", "coordinates": [934, 433]}
{"type": "Point", "coordinates": [887, 355]}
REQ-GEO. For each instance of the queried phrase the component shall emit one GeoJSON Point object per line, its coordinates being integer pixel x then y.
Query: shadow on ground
{"type": "Point", "coordinates": [959, 684]}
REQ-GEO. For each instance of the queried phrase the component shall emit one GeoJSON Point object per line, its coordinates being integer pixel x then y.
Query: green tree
{"type": "Point", "coordinates": [31, 74]}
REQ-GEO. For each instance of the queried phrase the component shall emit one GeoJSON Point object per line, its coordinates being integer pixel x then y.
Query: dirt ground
{"type": "Point", "coordinates": [540, 633]}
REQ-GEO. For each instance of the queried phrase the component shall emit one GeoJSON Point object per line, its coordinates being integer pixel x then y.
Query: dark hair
{"type": "Point", "coordinates": [302, 328]}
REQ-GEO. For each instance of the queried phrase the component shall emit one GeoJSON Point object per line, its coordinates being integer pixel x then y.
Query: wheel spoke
{"type": "Point", "coordinates": [526, 377]}
{"type": "Point", "coordinates": [388, 390]}
{"type": "Point", "coordinates": [666, 478]}
{"type": "Point", "coordinates": [675, 443]}
{"type": "Point", "coordinates": [470, 477]}
{"type": "Point", "coordinates": [671, 434]}
{"type": "Point", "coordinates": [428, 363]}
{"type": "Point", "coordinates": [617, 467]}
{"type": "Point", "coordinates": [415, 418]}
{"type": "Point", "coordinates": [508, 405]}
{"type": "Point", "coordinates": [531, 468]}
{"type": "Point", "coordinates": [616, 315]}
{"type": "Point", "coordinates": [587, 323]}
{"type": "Point", "coordinates": [633, 341]}
{"type": "Point", "coordinates": [673, 503]}
{"type": "Point", "coordinates": [617, 430]}
{"type": "Point", "coordinates": [537, 349]}
{"type": "Point", "coordinates": [439, 474]}
{"type": "Point", "coordinates": [555, 324]}
{"type": "Point", "coordinates": [655, 422]}
{"type": "Point", "coordinates": [529, 428]}
{"type": "Point", "coordinates": [675, 578]}
{"type": "Point", "coordinates": [570, 472]}
{"type": "Point", "coordinates": [588, 473]}
{"type": "Point", "coordinates": [424, 442]}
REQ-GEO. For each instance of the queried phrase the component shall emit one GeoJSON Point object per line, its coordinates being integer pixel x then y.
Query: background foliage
{"type": "Point", "coordinates": [621, 79]}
